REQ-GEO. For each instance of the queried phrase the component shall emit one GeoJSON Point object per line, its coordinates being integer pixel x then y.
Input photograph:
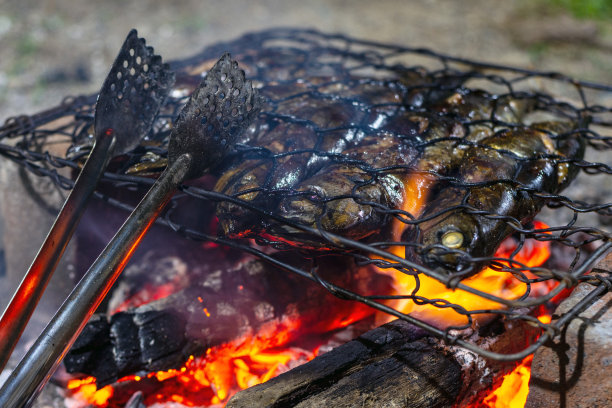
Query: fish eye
{"type": "Point", "coordinates": [452, 239]}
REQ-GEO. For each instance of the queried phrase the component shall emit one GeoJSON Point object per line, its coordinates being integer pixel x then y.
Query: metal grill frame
{"type": "Point", "coordinates": [22, 140]}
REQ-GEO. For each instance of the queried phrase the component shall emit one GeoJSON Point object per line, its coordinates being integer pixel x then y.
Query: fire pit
{"type": "Point", "coordinates": [346, 205]}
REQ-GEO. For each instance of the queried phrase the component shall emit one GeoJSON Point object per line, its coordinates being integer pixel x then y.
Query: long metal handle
{"type": "Point", "coordinates": [27, 380]}
{"type": "Point", "coordinates": [24, 301]}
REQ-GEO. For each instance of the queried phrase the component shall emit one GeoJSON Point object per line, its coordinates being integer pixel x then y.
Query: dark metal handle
{"type": "Point", "coordinates": [27, 380]}
{"type": "Point", "coordinates": [25, 299]}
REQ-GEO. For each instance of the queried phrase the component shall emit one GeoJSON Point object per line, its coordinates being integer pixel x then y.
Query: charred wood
{"type": "Point", "coordinates": [385, 367]}
{"type": "Point", "coordinates": [221, 305]}
{"type": "Point", "coordinates": [395, 365]}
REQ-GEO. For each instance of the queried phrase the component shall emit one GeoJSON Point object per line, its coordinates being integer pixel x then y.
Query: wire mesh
{"type": "Point", "coordinates": [407, 160]}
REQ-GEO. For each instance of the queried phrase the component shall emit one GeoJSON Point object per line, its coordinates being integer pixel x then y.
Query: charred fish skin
{"type": "Point", "coordinates": [334, 201]}
{"type": "Point", "coordinates": [504, 171]}
{"type": "Point", "coordinates": [303, 138]}
{"type": "Point", "coordinates": [460, 117]}
{"type": "Point", "coordinates": [343, 198]}
{"type": "Point", "coordinates": [333, 181]}
{"type": "Point", "coordinates": [349, 199]}
{"type": "Point", "coordinates": [474, 105]}
{"type": "Point", "coordinates": [251, 179]}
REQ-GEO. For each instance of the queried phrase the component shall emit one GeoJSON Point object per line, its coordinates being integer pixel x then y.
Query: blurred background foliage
{"type": "Point", "coordinates": [595, 9]}
{"type": "Point", "coordinates": [56, 48]}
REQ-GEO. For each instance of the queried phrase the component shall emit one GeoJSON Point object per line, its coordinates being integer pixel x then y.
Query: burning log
{"type": "Point", "coordinates": [392, 365]}
{"type": "Point", "coordinates": [231, 302]}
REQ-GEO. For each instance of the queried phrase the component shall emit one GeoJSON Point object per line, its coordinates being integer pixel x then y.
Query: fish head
{"type": "Point", "coordinates": [447, 242]}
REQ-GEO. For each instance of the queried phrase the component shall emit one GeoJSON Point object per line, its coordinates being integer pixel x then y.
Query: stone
{"type": "Point", "coordinates": [575, 369]}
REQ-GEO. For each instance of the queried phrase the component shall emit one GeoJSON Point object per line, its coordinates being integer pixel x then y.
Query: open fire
{"type": "Point", "coordinates": [211, 379]}
{"type": "Point", "coordinates": [383, 152]}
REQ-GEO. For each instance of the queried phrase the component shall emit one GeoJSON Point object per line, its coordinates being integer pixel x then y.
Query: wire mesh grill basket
{"type": "Point", "coordinates": [408, 161]}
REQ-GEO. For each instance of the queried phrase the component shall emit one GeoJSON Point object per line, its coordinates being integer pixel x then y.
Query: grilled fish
{"type": "Point", "coordinates": [341, 168]}
{"type": "Point", "coordinates": [505, 179]}
{"type": "Point", "coordinates": [318, 161]}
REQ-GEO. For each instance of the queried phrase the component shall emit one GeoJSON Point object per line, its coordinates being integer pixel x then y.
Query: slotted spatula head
{"type": "Point", "coordinates": [132, 94]}
{"type": "Point", "coordinates": [219, 110]}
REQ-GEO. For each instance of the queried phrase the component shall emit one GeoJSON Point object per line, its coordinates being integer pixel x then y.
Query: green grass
{"type": "Point", "coordinates": [592, 9]}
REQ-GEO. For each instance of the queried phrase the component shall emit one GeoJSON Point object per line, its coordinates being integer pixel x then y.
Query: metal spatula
{"type": "Point", "coordinates": [128, 102]}
{"type": "Point", "coordinates": [219, 110]}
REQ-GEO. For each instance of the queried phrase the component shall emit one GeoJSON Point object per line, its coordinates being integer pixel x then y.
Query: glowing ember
{"type": "Point", "coordinates": [253, 359]}
{"type": "Point", "coordinates": [147, 294]}
{"type": "Point", "coordinates": [89, 392]}
{"type": "Point", "coordinates": [212, 378]}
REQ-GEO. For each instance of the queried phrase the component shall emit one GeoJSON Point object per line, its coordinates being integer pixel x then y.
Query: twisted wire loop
{"type": "Point", "coordinates": [407, 161]}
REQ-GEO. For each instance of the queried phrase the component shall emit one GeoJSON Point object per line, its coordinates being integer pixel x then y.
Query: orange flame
{"type": "Point", "coordinates": [255, 358]}
{"type": "Point", "coordinates": [533, 253]}
{"type": "Point", "coordinates": [513, 391]}
{"type": "Point", "coordinates": [214, 377]}
{"type": "Point", "coordinates": [497, 283]}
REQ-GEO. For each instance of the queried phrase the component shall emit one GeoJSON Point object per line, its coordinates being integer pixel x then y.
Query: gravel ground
{"type": "Point", "coordinates": [52, 49]}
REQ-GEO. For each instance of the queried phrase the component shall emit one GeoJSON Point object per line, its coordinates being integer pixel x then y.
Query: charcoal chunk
{"type": "Point", "coordinates": [124, 335]}
{"type": "Point", "coordinates": [90, 350]}
{"type": "Point", "coordinates": [157, 337]}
